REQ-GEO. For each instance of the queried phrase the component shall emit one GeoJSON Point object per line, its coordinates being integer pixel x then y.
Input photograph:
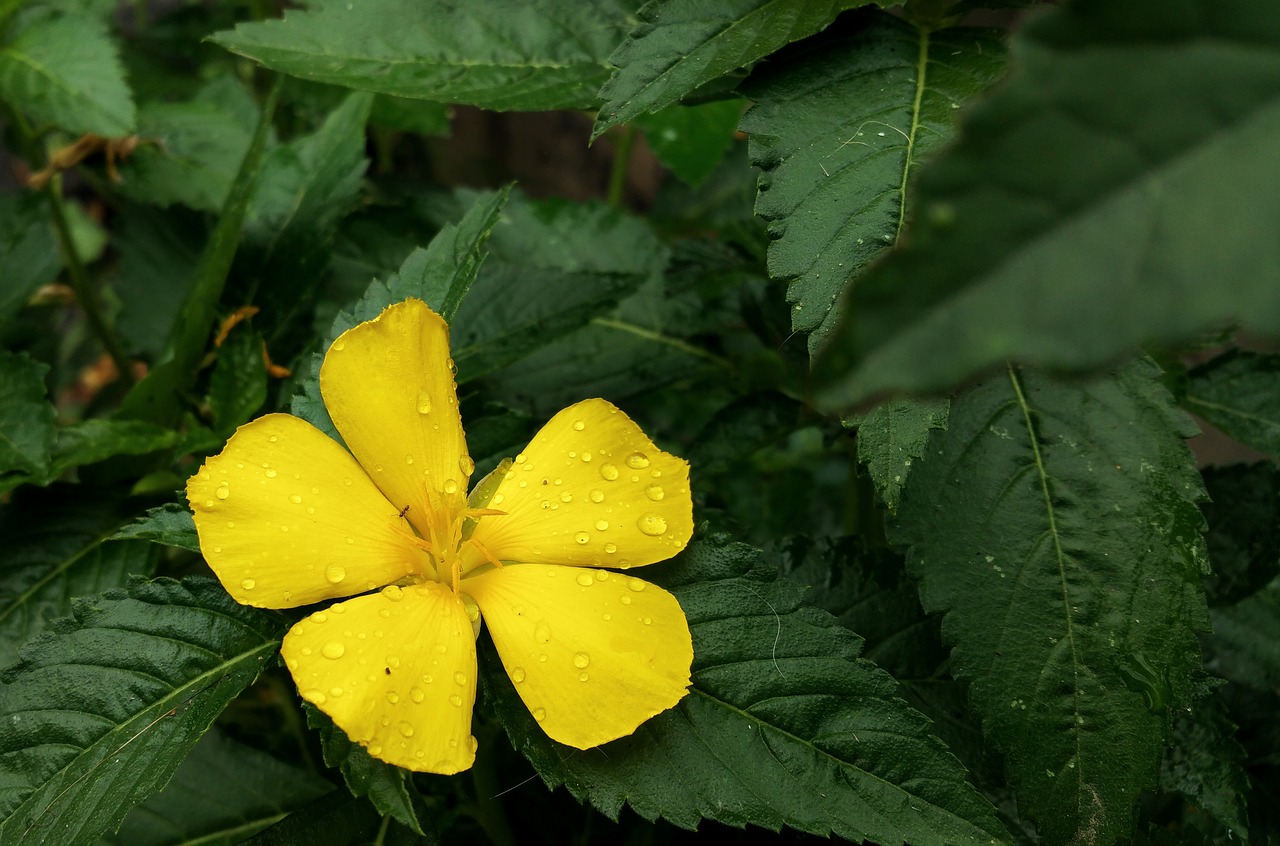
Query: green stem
{"type": "Point", "coordinates": [81, 285]}
{"type": "Point", "coordinates": [621, 164]}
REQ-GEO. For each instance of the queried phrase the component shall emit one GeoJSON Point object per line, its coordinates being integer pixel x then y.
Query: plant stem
{"type": "Point", "coordinates": [80, 284]}
{"type": "Point", "coordinates": [621, 164]}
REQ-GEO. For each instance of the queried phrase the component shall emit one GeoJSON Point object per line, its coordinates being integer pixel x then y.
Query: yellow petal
{"type": "Point", "coordinates": [591, 489]}
{"type": "Point", "coordinates": [286, 517]}
{"type": "Point", "coordinates": [593, 654]}
{"type": "Point", "coordinates": [396, 671]}
{"type": "Point", "coordinates": [388, 385]}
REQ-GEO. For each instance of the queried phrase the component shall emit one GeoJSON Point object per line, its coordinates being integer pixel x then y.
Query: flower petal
{"type": "Point", "coordinates": [396, 671]}
{"type": "Point", "coordinates": [590, 490]}
{"type": "Point", "coordinates": [286, 517]}
{"type": "Point", "coordinates": [388, 385]}
{"type": "Point", "coordinates": [592, 654]}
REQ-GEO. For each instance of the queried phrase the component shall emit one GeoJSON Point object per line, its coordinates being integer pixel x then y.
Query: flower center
{"type": "Point", "coordinates": [442, 532]}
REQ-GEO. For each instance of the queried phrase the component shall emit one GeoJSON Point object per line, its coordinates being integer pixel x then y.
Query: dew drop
{"type": "Point", "coordinates": [586, 456]}
{"type": "Point", "coordinates": [611, 547]}
{"type": "Point", "coordinates": [248, 584]}
{"type": "Point", "coordinates": [586, 580]}
{"type": "Point", "coordinates": [335, 574]}
{"type": "Point", "coordinates": [652, 524]}
{"type": "Point", "coordinates": [393, 697]}
{"type": "Point", "coordinates": [647, 620]}
{"type": "Point", "coordinates": [655, 492]}
{"type": "Point", "coordinates": [582, 677]}
{"type": "Point", "coordinates": [339, 346]}
{"type": "Point", "coordinates": [333, 649]}
{"type": "Point", "coordinates": [424, 402]}
{"type": "Point", "coordinates": [460, 678]}
{"type": "Point", "coordinates": [517, 674]}
{"type": "Point", "coordinates": [455, 700]}
{"type": "Point", "coordinates": [581, 538]}
{"type": "Point", "coordinates": [539, 714]}
{"type": "Point", "coordinates": [636, 585]}
{"type": "Point", "coordinates": [607, 617]}
{"type": "Point", "coordinates": [314, 696]}
{"type": "Point", "coordinates": [602, 575]}
{"type": "Point", "coordinates": [466, 465]}
{"type": "Point", "coordinates": [542, 633]}
{"type": "Point", "coordinates": [624, 599]}
{"type": "Point", "coordinates": [270, 473]}
{"type": "Point", "coordinates": [596, 495]}
{"type": "Point", "coordinates": [578, 425]}
{"type": "Point", "coordinates": [581, 660]}
{"type": "Point", "coordinates": [637, 461]}
{"type": "Point", "coordinates": [602, 525]}
{"type": "Point", "coordinates": [608, 472]}
{"type": "Point", "coordinates": [273, 439]}
{"type": "Point", "coordinates": [417, 694]}
{"type": "Point", "coordinates": [565, 496]}
{"type": "Point", "coordinates": [222, 492]}
{"type": "Point", "coordinates": [295, 499]}
{"type": "Point", "coordinates": [393, 593]}
{"type": "Point", "coordinates": [450, 486]}
{"type": "Point", "coordinates": [498, 498]}
{"type": "Point", "coordinates": [405, 728]}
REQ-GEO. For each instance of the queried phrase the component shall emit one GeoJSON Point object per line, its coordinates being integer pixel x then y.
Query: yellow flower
{"type": "Point", "coordinates": [287, 517]}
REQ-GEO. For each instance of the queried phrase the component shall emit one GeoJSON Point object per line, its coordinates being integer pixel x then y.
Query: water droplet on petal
{"type": "Point", "coordinates": [424, 402]}
{"type": "Point", "coordinates": [647, 620]}
{"type": "Point", "coordinates": [611, 547]}
{"type": "Point", "coordinates": [586, 580]}
{"type": "Point", "coordinates": [455, 700]}
{"type": "Point", "coordinates": [248, 584]}
{"type": "Point", "coordinates": [393, 697]}
{"type": "Point", "coordinates": [608, 472]}
{"type": "Point", "coordinates": [624, 599]}
{"type": "Point", "coordinates": [450, 486]}
{"type": "Point", "coordinates": [586, 456]}
{"type": "Point", "coordinates": [333, 649]}
{"type": "Point", "coordinates": [273, 439]}
{"type": "Point", "coordinates": [602, 525]}
{"type": "Point", "coordinates": [393, 593]}
{"type": "Point", "coordinates": [339, 346]}
{"type": "Point", "coordinates": [578, 425]}
{"type": "Point", "coordinates": [405, 728]}
{"type": "Point", "coordinates": [460, 678]}
{"type": "Point", "coordinates": [222, 492]}
{"type": "Point", "coordinates": [517, 674]}
{"type": "Point", "coordinates": [316, 697]}
{"type": "Point", "coordinates": [652, 524]}
{"type": "Point", "coordinates": [539, 714]}
{"type": "Point", "coordinates": [270, 473]}
{"type": "Point", "coordinates": [335, 574]}
{"type": "Point", "coordinates": [581, 660]}
{"type": "Point", "coordinates": [542, 633]}
{"type": "Point", "coordinates": [582, 676]}
{"type": "Point", "coordinates": [637, 461]}
{"type": "Point", "coordinates": [466, 465]}
{"type": "Point", "coordinates": [417, 694]}
{"type": "Point", "coordinates": [596, 495]}
{"type": "Point", "coordinates": [636, 585]}
{"type": "Point", "coordinates": [582, 537]}
{"type": "Point", "coordinates": [498, 498]}
{"type": "Point", "coordinates": [295, 499]}
{"type": "Point", "coordinates": [655, 492]}
{"type": "Point", "coordinates": [565, 496]}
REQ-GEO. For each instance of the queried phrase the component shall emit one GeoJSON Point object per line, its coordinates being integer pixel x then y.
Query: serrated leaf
{"type": "Point", "coordinates": [90, 441]}
{"type": "Point", "coordinates": [1057, 528]}
{"type": "Point", "coordinates": [101, 712]}
{"type": "Point", "coordinates": [238, 384]}
{"type": "Point", "coordinates": [1082, 209]}
{"type": "Point", "coordinates": [1244, 534]}
{"type": "Point", "coordinates": [53, 550]}
{"type": "Point", "coordinates": [26, 420]}
{"type": "Point", "coordinates": [386, 786]}
{"type": "Point", "coordinates": [1239, 392]}
{"type": "Point", "coordinates": [1205, 763]}
{"type": "Point", "coordinates": [168, 525]}
{"type": "Point", "coordinates": [679, 46]}
{"type": "Point", "coordinates": [784, 725]}
{"type": "Point", "coordinates": [1245, 644]}
{"type": "Point", "coordinates": [28, 254]}
{"type": "Point", "coordinates": [223, 792]}
{"type": "Point", "coordinates": [496, 54]}
{"type": "Point", "coordinates": [692, 140]}
{"type": "Point", "coordinates": [64, 70]}
{"type": "Point", "coordinates": [892, 437]}
{"type": "Point", "coordinates": [442, 273]}
{"type": "Point", "coordinates": [841, 123]}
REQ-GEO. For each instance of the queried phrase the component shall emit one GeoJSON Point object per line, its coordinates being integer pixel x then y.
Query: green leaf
{"type": "Point", "coordinates": [387, 786]}
{"type": "Point", "coordinates": [53, 550]}
{"type": "Point", "coordinates": [168, 525]}
{"type": "Point", "coordinates": [238, 385]}
{"type": "Point", "coordinates": [784, 725]}
{"type": "Point", "coordinates": [692, 140]}
{"type": "Point", "coordinates": [1245, 644]}
{"type": "Point", "coordinates": [91, 441]}
{"type": "Point", "coordinates": [1057, 528]}
{"type": "Point", "coordinates": [101, 712]}
{"type": "Point", "coordinates": [28, 253]}
{"type": "Point", "coordinates": [892, 436]}
{"type": "Point", "coordinates": [404, 115]}
{"type": "Point", "coordinates": [840, 124]}
{"type": "Point", "coordinates": [440, 275]}
{"type": "Point", "coordinates": [26, 420]}
{"type": "Point", "coordinates": [1239, 392]}
{"type": "Point", "coordinates": [159, 250]}
{"type": "Point", "coordinates": [190, 152]}
{"type": "Point", "coordinates": [64, 70]}
{"type": "Point", "coordinates": [1205, 763]}
{"type": "Point", "coordinates": [678, 46]}
{"type": "Point", "coordinates": [1083, 210]}
{"type": "Point", "coordinates": [336, 819]}
{"type": "Point", "coordinates": [497, 54]}
{"type": "Point", "coordinates": [1244, 534]}
{"type": "Point", "coordinates": [223, 792]}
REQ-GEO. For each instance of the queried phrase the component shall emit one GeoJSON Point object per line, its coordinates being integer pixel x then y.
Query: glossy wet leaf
{"type": "Point", "coordinates": [1085, 210]}
{"type": "Point", "coordinates": [138, 676]}
{"type": "Point", "coordinates": [1056, 526]}
{"type": "Point", "coordinates": [783, 725]}
{"type": "Point", "coordinates": [168, 525]}
{"type": "Point", "coordinates": [892, 437]}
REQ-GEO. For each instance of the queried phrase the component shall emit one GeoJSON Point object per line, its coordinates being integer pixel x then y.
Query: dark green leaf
{"type": "Point", "coordinates": [678, 46]}
{"type": "Point", "coordinates": [1245, 644]}
{"type": "Point", "coordinates": [530, 55]}
{"type": "Point", "coordinates": [1205, 764]}
{"type": "Point", "coordinates": [90, 441]}
{"type": "Point", "coordinates": [238, 385]}
{"type": "Point", "coordinates": [386, 786]}
{"type": "Point", "coordinates": [1244, 534]}
{"type": "Point", "coordinates": [26, 420]}
{"type": "Point", "coordinates": [440, 275]}
{"type": "Point", "coordinates": [159, 250]}
{"type": "Point", "coordinates": [892, 436]}
{"type": "Point", "coordinates": [784, 725]}
{"type": "Point", "coordinates": [63, 70]}
{"type": "Point", "coordinates": [1240, 394]}
{"type": "Point", "coordinates": [336, 819]}
{"type": "Point", "coordinates": [751, 423]}
{"type": "Point", "coordinates": [692, 140]}
{"type": "Point", "coordinates": [1084, 209]}
{"type": "Point", "coordinates": [419, 116]}
{"type": "Point", "coordinates": [101, 712]}
{"type": "Point", "coordinates": [840, 124]}
{"type": "Point", "coordinates": [53, 550]}
{"type": "Point", "coordinates": [168, 525]}
{"type": "Point", "coordinates": [222, 793]}
{"type": "Point", "coordinates": [28, 254]}
{"type": "Point", "coordinates": [1057, 527]}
